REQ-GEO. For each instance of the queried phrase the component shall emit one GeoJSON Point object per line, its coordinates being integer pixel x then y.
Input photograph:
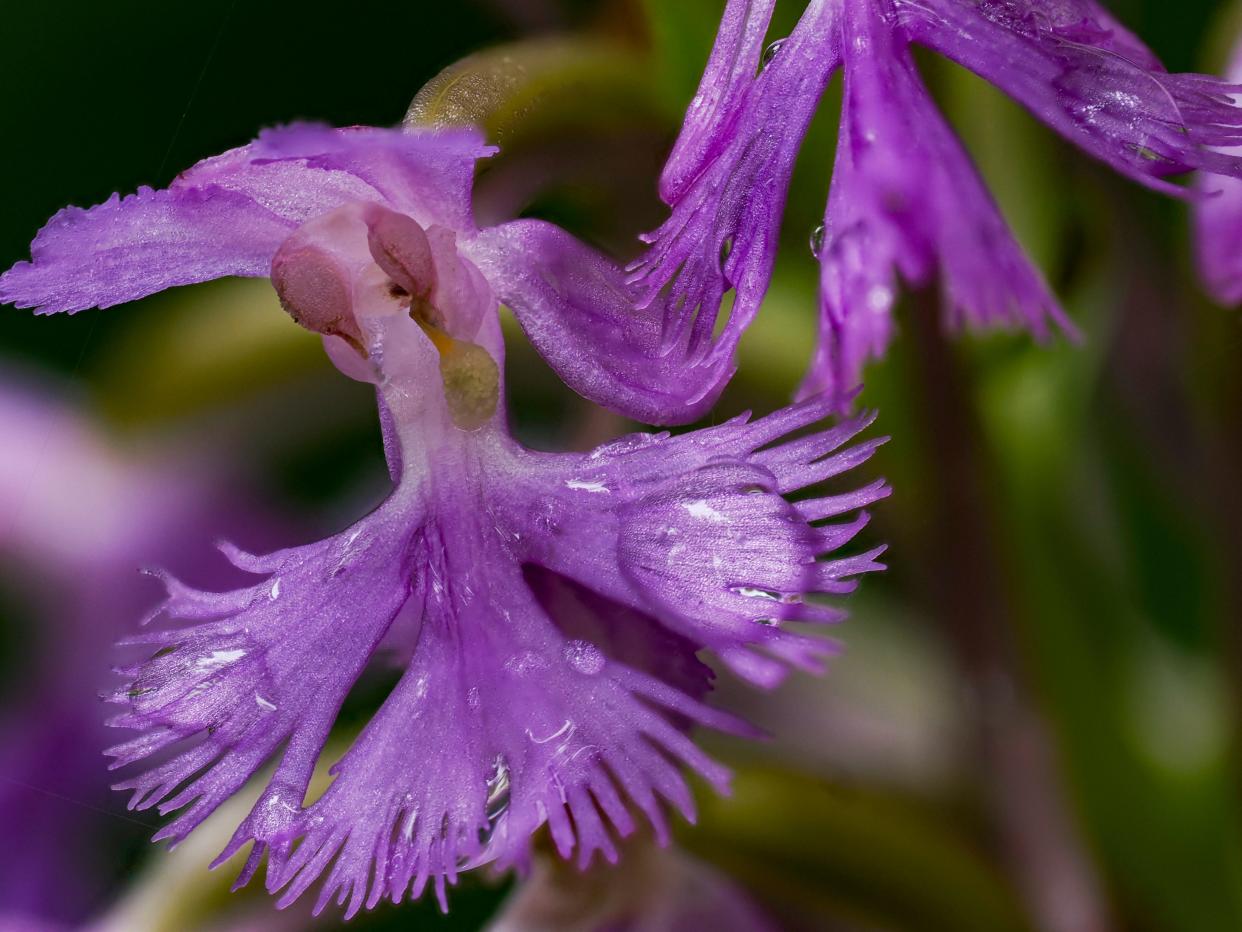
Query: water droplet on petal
{"type": "Point", "coordinates": [879, 297]}
{"type": "Point", "coordinates": [752, 592]}
{"type": "Point", "coordinates": [817, 241]}
{"type": "Point", "coordinates": [584, 657]}
{"type": "Point", "coordinates": [498, 790]}
{"type": "Point", "coordinates": [770, 53]}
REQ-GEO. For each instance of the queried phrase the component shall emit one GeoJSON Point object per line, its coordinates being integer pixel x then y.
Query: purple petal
{"type": "Point", "coordinates": [1089, 82]}
{"type": "Point", "coordinates": [695, 531]}
{"type": "Point", "coordinates": [575, 307]}
{"type": "Point", "coordinates": [499, 725]}
{"type": "Point", "coordinates": [1218, 222]}
{"type": "Point", "coordinates": [260, 668]}
{"type": "Point", "coordinates": [722, 92]}
{"type": "Point", "coordinates": [558, 695]}
{"type": "Point", "coordinates": [633, 638]}
{"type": "Point", "coordinates": [906, 201]}
{"type": "Point", "coordinates": [128, 248]}
{"type": "Point", "coordinates": [427, 174]}
{"type": "Point", "coordinates": [1087, 23]}
{"type": "Point", "coordinates": [228, 214]}
{"type": "Point", "coordinates": [724, 227]}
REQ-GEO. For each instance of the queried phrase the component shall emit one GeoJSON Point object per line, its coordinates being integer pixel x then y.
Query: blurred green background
{"type": "Point", "coordinates": [1036, 721]}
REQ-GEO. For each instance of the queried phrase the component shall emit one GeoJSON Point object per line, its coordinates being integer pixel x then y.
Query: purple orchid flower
{"type": "Point", "coordinates": [905, 199]}
{"type": "Point", "coordinates": [560, 599]}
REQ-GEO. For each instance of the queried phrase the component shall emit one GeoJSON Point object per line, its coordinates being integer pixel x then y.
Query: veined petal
{"type": "Point", "coordinates": [695, 530]}
{"type": "Point", "coordinates": [553, 679]}
{"type": "Point", "coordinates": [131, 247]}
{"type": "Point", "coordinates": [624, 634]}
{"type": "Point", "coordinates": [730, 71]}
{"type": "Point", "coordinates": [1090, 83]}
{"type": "Point", "coordinates": [575, 307]}
{"type": "Point", "coordinates": [905, 201]}
{"type": "Point", "coordinates": [261, 672]}
{"type": "Point", "coordinates": [724, 227]}
{"type": "Point", "coordinates": [1218, 221]}
{"type": "Point", "coordinates": [228, 214]}
{"type": "Point", "coordinates": [499, 725]}
{"type": "Point", "coordinates": [427, 174]}
{"type": "Point", "coordinates": [1088, 23]}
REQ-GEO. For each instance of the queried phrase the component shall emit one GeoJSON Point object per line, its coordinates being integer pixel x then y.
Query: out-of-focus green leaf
{"type": "Point", "coordinates": [853, 855]}
{"type": "Point", "coordinates": [1165, 830]}
{"type": "Point", "coordinates": [526, 88]}
{"type": "Point", "coordinates": [1016, 155]}
{"type": "Point", "coordinates": [201, 347]}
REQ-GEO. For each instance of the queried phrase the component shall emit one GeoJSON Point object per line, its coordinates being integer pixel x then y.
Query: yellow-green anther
{"type": "Point", "coordinates": [471, 382]}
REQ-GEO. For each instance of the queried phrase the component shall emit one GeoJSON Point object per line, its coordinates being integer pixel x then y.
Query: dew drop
{"type": "Point", "coordinates": [770, 53]}
{"type": "Point", "coordinates": [752, 592]}
{"type": "Point", "coordinates": [276, 809]}
{"type": "Point", "coordinates": [879, 297]}
{"type": "Point", "coordinates": [817, 241]}
{"type": "Point", "coordinates": [584, 657]}
{"type": "Point", "coordinates": [274, 592]}
{"type": "Point", "coordinates": [498, 790]}
{"type": "Point", "coordinates": [524, 663]}
{"type": "Point", "coordinates": [587, 485]}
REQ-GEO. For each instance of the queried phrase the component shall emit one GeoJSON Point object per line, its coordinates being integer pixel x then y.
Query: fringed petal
{"type": "Point", "coordinates": [906, 201]}
{"type": "Point", "coordinates": [1076, 71]}
{"type": "Point", "coordinates": [724, 227]}
{"type": "Point", "coordinates": [261, 673]}
{"type": "Point", "coordinates": [575, 307]}
{"type": "Point", "coordinates": [1218, 221]}
{"type": "Point", "coordinates": [498, 726]}
{"type": "Point", "coordinates": [696, 531]}
{"type": "Point", "coordinates": [228, 214]}
{"type": "Point", "coordinates": [735, 60]}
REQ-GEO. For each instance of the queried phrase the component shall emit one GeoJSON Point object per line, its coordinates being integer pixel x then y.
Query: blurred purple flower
{"type": "Point", "coordinates": [654, 890]}
{"type": "Point", "coordinates": [561, 598]}
{"type": "Point", "coordinates": [905, 199]}
{"type": "Point", "coordinates": [1218, 221]}
{"type": "Point", "coordinates": [77, 519]}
